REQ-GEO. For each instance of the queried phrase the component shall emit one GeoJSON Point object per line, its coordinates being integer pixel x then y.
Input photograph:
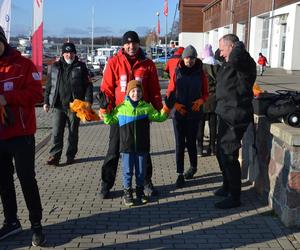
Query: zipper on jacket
{"type": "Point", "coordinates": [21, 117]}
{"type": "Point", "coordinates": [134, 130]}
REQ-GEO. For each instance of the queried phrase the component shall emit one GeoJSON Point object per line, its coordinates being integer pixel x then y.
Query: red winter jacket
{"type": "Point", "coordinates": [119, 72]}
{"type": "Point", "coordinates": [262, 60]}
{"type": "Point", "coordinates": [21, 86]}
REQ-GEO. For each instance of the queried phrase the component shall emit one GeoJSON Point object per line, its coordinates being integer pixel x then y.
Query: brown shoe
{"type": "Point", "coordinates": [53, 161]}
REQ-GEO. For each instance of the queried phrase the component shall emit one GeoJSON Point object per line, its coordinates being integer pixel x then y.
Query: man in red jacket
{"type": "Point", "coordinates": [129, 64]}
{"type": "Point", "coordinates": [20, 90]}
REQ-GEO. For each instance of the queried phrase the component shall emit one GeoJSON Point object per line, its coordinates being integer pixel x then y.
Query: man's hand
{"type": "Point", "coordinates": [197, 104]}
{"type": "Point", "coordinates": [180, 108]}
{"type": "Point", "coordinates": [3, 101]}
{"type": "Point", "coordinates": [103, 100]}
{"type": "Point", "coordinates": [46, 107]}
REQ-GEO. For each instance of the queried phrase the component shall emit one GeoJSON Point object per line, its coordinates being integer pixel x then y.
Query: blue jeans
{"type": "Point", "coordinates": [130, 161]}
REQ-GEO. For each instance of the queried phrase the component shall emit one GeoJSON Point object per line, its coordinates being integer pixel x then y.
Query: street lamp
{"type": "Point", "coordinates": [158, 32]}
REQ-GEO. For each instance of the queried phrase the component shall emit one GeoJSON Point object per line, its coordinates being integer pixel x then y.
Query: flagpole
{"type": "Point", "coordinates": [166, 39]}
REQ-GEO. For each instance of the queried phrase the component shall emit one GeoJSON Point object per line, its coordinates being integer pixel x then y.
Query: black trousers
{"type": "Point", "coordinates": [228, 145]}
{"type": "Point", "coordinates": [21, 149]}
{"type": "Point", "coordinates": [110, 165]}
{"type": "Point", "coordinates": [60, 119]}
{"type": "Point", "coordinates": [185, 131]}
{"type": "Point", "coordinates": [212, 123]}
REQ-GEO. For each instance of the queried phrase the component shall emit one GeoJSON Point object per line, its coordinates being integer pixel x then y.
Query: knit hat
{"type": "Point", "coordinates": [207, 51]}
{"type": "Point", "coordinates": [131, 36]}
{"type": "Point", "coordinates": [2, 35]}
{"type": "Point", "coordinates": [68, 47]}
{"type": "Point", "coordinates": [133, 84]}
{"type": "Point", "coordinates": [189, 51]}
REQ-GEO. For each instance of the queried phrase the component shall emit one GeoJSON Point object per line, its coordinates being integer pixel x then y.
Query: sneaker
{"type": "Point", "coordinates": [128, 197]}
{"type": "Point", "coordinates": [38, 238]}
{"type": "Point", "coordinates": [53, 161]}
{"type": "Point", "coordinates": [229, 202]}
{"type": "Point", "coordinates": [141, 198]}
{"type": "Point", "coordinates": [190, 173]}
{"type": "Point", "coordinates": [180, 181]}
{"type": "Point", "coordinates": [150, 190]}
{"type": "Point", "coordinates": [70, 160]}
{"type": "Point", "coordinates": [104, 191]}
{"type": "Point", "coordinates": [221, 192]}
{"type": "Point", "coordinates": [9, 229]}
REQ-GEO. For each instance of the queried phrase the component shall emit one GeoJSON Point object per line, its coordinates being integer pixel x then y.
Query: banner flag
{"type": "Point", "coordinates": [37, 35]}
{"type": "Point", "coordinates": [5, 11]}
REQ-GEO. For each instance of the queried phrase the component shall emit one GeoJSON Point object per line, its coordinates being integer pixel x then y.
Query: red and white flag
{"type": "Point", "coordinates": [5, 11]}
{"type": "Point", "coordinates": [158, 26]}
{"type": "Point", "coordinates": [166, 7]}
{"type": "Point", "coordinates": [37, 35]}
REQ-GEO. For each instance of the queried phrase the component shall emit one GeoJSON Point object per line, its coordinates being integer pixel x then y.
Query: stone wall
{"type": "Point", "coordinates": [276, 167]}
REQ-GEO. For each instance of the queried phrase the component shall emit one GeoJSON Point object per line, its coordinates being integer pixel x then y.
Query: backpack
{"type": "Point", "coordinates": [286, 107]}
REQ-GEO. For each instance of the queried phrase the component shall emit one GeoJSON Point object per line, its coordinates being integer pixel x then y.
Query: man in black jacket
{"type": "Point", "coordinates": [234, 95]}
{"type": "Point", "coordinates": [68, 80]}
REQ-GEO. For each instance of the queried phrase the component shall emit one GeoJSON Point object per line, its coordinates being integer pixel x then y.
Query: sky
{"type": "Point", "coordinates": [73, 18]}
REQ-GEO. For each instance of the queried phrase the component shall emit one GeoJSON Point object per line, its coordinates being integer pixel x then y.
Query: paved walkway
{"type": "Point", "coordinates": [76, 218]}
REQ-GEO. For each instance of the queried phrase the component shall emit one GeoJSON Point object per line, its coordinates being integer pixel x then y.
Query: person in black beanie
{"type": "Point", "coordinates": [20, 90]}
{"type": "Point", "coordinates": [68, 80]}
{"type": "Point", "coordinates": [129, 64]}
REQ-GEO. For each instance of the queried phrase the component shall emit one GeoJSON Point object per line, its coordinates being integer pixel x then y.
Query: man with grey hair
{"type": "Point", "coordinates": [234, 95]}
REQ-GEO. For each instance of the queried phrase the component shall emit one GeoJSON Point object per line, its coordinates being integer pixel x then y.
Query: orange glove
{"type": "Point", "coordinates": [180, 108]}
{"type": "Point", "coordinates": [197, 104]}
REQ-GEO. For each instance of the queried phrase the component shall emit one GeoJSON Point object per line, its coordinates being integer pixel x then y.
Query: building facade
{"type": "Point", "coordinates": [267, 26]}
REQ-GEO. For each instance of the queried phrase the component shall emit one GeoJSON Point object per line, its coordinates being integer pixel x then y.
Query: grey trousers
{"type": "Point", "coordinates": [61, 118]}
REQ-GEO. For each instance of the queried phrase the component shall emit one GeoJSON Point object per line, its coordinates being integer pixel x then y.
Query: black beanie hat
{"type": "Point", "coordinates": [68, 47]}
{"type": "Point", "coordinates": [131, 36]}
{"type": "Point", "coordinates": [189, 51]}
{"type": "Point", "coordinates": [2, 36]}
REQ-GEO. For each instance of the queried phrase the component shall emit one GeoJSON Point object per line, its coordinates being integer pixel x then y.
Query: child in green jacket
{"type": "Point", "coordinates": [134, 116]}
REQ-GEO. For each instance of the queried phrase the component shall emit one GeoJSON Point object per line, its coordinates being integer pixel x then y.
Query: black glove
{"type": "Point", "coordinates": [170, 100]}
{"type": "Point", "coordinates": [103, 100]}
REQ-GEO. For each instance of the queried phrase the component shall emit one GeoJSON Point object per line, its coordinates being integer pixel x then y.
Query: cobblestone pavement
{"type": "Point", "coordinates": [76, 218]}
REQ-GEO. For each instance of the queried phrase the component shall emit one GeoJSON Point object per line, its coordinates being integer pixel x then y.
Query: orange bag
{"type": "Point", "coordinates": [83, 111]}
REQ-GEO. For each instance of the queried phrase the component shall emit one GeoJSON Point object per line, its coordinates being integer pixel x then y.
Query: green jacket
{"type": "Point", "coordinates": [134, 124]}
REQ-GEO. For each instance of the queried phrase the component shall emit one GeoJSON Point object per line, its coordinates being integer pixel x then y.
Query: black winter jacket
{"type": "Point", "coordinates": [234, 93]}
{"type": "Point", "coordinates": [80, 84]}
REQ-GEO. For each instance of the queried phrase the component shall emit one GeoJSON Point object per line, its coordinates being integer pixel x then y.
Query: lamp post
{"type": "Point", "coordinates": [158, 32]}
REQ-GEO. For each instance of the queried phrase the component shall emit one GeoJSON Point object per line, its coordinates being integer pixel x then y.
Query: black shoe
{"type": "Point", "coordinates": [200, 151]}
{"type": "Point", "coordinates": [70, 160]}
{"type": "Point", "coordinates": [180, 181]}
{"type": "Point", "coordinates": [38, 238]}
{"type": "Point", "coordinates": [141, 198]}
{"type": "Point", "coordinates": [104, 191]}
{"type": "Point", "coordinates": [10, 228]}
{"type": "Point", "coordinates": [53, 161]}
{"type": "Point", "coordinates": [150, 190]}
{"type": "Point", "coordinates": [190, 173]}
{"type": "Point", "coordinates": [228, 203]}
{"type": "Point", "coordinates": [213, 150]}
{"type": "Point", "coordinates": [128, 197]}
{"type": "Point", "coordinates": [221, 192]}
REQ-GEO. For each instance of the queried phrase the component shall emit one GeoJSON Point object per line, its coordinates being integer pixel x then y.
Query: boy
{"type": "Point", "coordinates": [134, 116]}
